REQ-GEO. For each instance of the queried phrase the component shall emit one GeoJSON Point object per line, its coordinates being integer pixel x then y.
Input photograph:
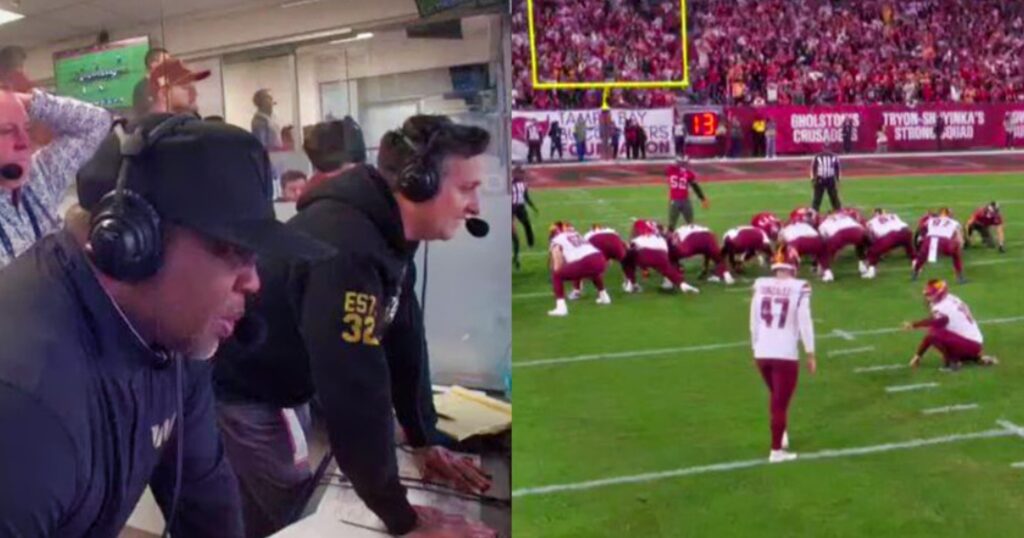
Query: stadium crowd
{"type": "Point", "coordinates": [775, 51]}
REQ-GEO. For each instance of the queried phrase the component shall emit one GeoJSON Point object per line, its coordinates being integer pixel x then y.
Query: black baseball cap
{"type": "Point", "coordinates": [210, 177]}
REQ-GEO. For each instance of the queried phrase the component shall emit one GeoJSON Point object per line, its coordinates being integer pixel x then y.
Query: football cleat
{"type": "Point", "coordinates": [561, 309]}
{"type": "Point", "coordinates": [714, 278]}
{"type": "Point", "coordinates": [827, 276]}
{"type": "Point", "coordinates": [780, 456]}
{"type": "Point", "coordinates": [686, 288]}
{"type": "Point", "coordinates": [863, 267]}
{"type": "Point", "coordinates": [666, 284]}
{"type": "Point", "coordinates": [575, 294]}
{"type": "Point", "coordinates": [729, 280]}
{"type": "Point", "coordinates": [989, 360]}
{"type": "Point", "coordinates": [870, 273]}
{"type": "Point", "coordinates": [603, 297]}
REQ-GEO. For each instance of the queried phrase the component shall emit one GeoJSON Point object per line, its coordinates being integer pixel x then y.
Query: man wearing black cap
{"type": "Point", "coordinates": [350, 332]}
{"type": "Point", "coordinates": [104, 388]}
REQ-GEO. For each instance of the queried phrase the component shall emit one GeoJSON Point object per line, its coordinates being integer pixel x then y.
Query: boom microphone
{"type": "Point", "coordinates": [477, 227]}
{"type": "Point", "coordinates": [11, 172]}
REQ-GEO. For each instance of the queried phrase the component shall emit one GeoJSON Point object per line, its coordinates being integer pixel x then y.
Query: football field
{"type": "Point", "coordinates": [647, 418]}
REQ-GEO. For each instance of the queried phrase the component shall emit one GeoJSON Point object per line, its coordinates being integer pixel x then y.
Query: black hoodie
{"type": "Point", "coordinates": [349, 330]}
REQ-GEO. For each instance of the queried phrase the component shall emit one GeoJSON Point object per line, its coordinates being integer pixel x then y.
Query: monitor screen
{"type": "Point", "coordinates": [105, 75]}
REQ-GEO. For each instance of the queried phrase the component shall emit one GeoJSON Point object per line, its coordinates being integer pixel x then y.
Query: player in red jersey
{"type": "Point", "coordinates": [572, 259]}
{"type": "Point", "coordinates": [841, 229]}
{"type": "Point", "coordinates": [800, 235]}
{"type": "Point", "coordinates": [696, 240]}
{"type": "Point", "coordinates": [952, 329]}
{"type": "Point", "coordinates": [922, 227]}
{"type": "Point", "coordinates": [886, 231]}
{"type": "Point", "coordinates": [649, 249]}
{"type": "Point", "coordinates": [768, 222]}
{"type": "Point", "coordinates": [804, 214]}
{"type": "Point", "coordinates": [681, 180]}
{"type": "Point", "coordinates": [943, 236]}
{"type": "Point", "coordinates": [982, 221]}
{"type": "Point", "coordinates": [742, 243]}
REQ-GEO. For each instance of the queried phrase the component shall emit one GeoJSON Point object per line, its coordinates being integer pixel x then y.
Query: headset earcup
{"type": "Point", "coordinates": [126, 243]}
{"type": "Point", "coordinates": [415, 182]}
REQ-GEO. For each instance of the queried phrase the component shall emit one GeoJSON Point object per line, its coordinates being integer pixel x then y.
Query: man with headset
{"type": "Point", "coordinates": [349, 332]}
{"type": "Point", "coordinates": [33, 183]}
{"type": "Point", "coordinates": [104, 388]}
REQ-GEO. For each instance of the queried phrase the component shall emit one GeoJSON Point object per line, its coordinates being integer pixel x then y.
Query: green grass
{"type": "Point", "coordinates": [628, 415]}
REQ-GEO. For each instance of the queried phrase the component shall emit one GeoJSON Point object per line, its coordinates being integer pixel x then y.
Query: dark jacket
{"type": "Point", "coordinates": [89, 414]}
{"type": "Point", "coordinates": [350, 331]}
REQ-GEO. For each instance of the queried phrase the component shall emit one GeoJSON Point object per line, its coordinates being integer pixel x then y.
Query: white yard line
{"type": "Point", "coordinates": [745, 464]}
{"type": "Point", "coordinates": [906, 388]}
{"type": "Point", "coordinates": [844, 335]}
{"type": "Point", "coordinates": [850, 351]}
{"type": "Point", "coordinates": [879, 368]}
{"type": "Point", "coordinates": [1018, 465]}
{"type": "Point", "coordinates": [949, 409]}
{"type": "Point", "coordinates": [709, 347]}
{"type": "Point", "coordinates": [1017, 430]}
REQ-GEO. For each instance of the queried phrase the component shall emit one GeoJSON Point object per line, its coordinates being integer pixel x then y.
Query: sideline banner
{"type": "Point", "coordinates": [656, 122]}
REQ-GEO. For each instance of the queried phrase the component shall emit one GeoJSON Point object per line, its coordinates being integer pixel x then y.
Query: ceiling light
{"type": "Point", "coordinates": [9, 16]}
{"type": "Point", "coordinates": [359, 37]}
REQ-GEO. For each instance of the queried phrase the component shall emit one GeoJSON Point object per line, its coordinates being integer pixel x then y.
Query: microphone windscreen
{"type": "Point", "coordinates": [251, 331]}
{"type": "Point", "coordinates": [477, 227]}
{"type": "Point", "coordinates": [11, 171]}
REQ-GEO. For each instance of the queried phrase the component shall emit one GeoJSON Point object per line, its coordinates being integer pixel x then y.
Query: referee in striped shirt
{"type": "Point", "coordinates": [825, 178]}
{"type": "Point", "coordinates": [520, 199]}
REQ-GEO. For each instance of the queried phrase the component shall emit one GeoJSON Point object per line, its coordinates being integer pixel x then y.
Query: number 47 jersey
{"type": "Point", "coordinates": [780, 317]}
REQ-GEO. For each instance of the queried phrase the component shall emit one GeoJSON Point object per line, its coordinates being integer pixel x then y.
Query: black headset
{"type": "Point", "coordinates": [420, 178]}
{"type": "Point", "coordinates": [125, 232]}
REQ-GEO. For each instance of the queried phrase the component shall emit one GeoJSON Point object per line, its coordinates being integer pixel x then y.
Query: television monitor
{"type": "Point", "coordinates": [105, 74]}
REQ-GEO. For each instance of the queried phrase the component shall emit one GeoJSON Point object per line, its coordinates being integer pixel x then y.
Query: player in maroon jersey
{"type": "Point", "coordinates": [681, 180]}
{"type": "Point", "coordinates": [802, 236]}
{"type": "Point", "coordinates": [696, 240]}
{"type": "Point", "coordinates": [841, 229]}
{"type": "Point", "coordinates": [804, 214]}
{"type": "Point", "coordinates": [574, 259]}
{"type": "Point", "coordinates": [768, 222]}
{"type": "Point", "coordinates": [922, 227]}
{"type": "Point", "coordinates": [742, 243]}
{"type": "Point", "coordinates": [982, 221]}
{"type": "Point", "coordinates": [886, 232]}
{"type": "Point", "coordinates": [943, 237]}
{"type": "Point", "coordinates": [649, 250]}
{"type": "Point", "coordinates": [607, 241]}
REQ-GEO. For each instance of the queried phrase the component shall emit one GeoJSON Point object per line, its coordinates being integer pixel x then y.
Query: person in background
{"type": "Point", "coordinates": [555, 134]}
{"type": "Point", "coordinates": [679, 137]}
{"type": "Point", "coordinates": [33, 183]}
{"type": "Point", "coordinates": [1008, 127]}
{"type": "Point", "coordinates": [334, 147]}
{"type": "Point", "coordinates": [521, 199]}
{"type": "Point", "coordinates": [735, 138]}
{"type": "Point", "coordinates": [172, 86]}
{"type": "Point", "coordinates": [580, 135]}
{"type": "Point", "coordinates": [533, 140]}
{"type": "Point", "coordinates": [641, 141]}
{"type": "Point", "coordinates": [847, 132]}
{"type": "Point", "coordinates": [770, 134]}
{"type": "Point", "coordinates": [881, 141]}
{"type": "Point", "coordinates": [143, 97]}
{"type": "Point", "coordinates": [264, 126]}
{"type": "Point", "coordinates": [631, 147]}
{"type": "Point", "coordinates": [616, 135]}
{"type": "Point", "coordinates": [12, 69]}
{"type": "Point", "coordinates": [293, 182]}
{"type": "Point", "coordinates": [758, 129]}
{"type": "Point", "coordinates": [940, 127]}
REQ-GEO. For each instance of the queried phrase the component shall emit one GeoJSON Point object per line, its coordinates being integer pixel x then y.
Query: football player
{"type": "Point", "coordinates": [805, 214]}
{"type": "Point", "coordinates": [982, 221]}
{"type": "Point", "coordinates": [841, 229]}
{"type": "Point", "coordinates": [799, 234]}
{"type": "Point", "coordinates": [780, 318]}
{"type": "Point", "coordinates": [681, 180]}
{"type": "Point", "coordinates": [572, 259]}
{"type": "Point", "coordinates": [922, 227]}
{"type": "Point", "coordinates": [768, 222]}
{"type": "Point", "coordinates": [943, 235]}
{"type": "Point", "coordinates": [696, 240]}
{"type": "Point", "coordinates": [742, 243]}
{"type": "Point", "coordinates": [952, 329]}
{"type": "Point", "coordinates": [886, 231]}
{"type": "Point", "coordinates": [649, 250]}
{"type": "Point", "coordinates": [607, 241]}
